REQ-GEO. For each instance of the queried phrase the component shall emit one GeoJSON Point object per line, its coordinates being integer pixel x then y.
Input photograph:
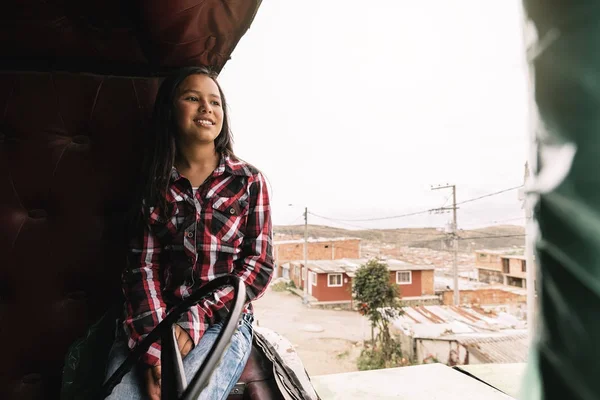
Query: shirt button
{"type": "Point", "coordinates": [190, 234]}
{"type": "Point", "coordinates": [232, 211]}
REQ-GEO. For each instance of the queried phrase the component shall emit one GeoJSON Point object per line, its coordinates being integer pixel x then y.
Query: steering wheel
{"type": "Point", "coordinates": [173, 381]}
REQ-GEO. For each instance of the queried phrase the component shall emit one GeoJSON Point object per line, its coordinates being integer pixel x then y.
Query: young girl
{"type": "Point", "coordinates": [204, 214]}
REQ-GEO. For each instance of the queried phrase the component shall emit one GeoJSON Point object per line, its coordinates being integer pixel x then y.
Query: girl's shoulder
{"type": "Point", "coordinates": [240, 166]}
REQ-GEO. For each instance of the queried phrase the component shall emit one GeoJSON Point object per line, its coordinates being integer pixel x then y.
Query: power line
{"type": "Point", "coordinates": [446, 201]}
{"type": "Point", "coordinates": [338, 221]}
{"type": "Point", "coordinates": [416, 212]}
{"type": "Point", "coordinates": [494, 221]}
{"type": "Point", "coordinates": [296, 220]}
{"type": "Point", "coordinates": [490, 194]}
{"type": "Point", "coordinates": [489, 237]}
{"type": "Point", "coordinates": [375, 219]}
{"type": "Point", "coordinates": [432, 235]}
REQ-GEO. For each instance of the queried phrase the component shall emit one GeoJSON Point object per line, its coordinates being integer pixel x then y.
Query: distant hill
{"type": "Point", "coordinates": [492, 237]}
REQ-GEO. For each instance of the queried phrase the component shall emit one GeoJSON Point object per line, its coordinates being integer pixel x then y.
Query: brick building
{"type": "Point", "coordinates": [331, 280]}
{"type": "Point", "coordinates": [487, 296]}
{"type": "Point", "coordinates": [507, 267]}
{"type": "Point", "coordinates": [318, 249]}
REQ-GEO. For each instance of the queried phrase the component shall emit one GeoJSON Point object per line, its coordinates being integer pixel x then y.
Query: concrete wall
{"type": "Point", "coordinates": [296, 274]}
{"type": "Point", "coordinates": [484, 297]}
{"type": "Point", "coordinates": [423, 351]}
{"type": "Point", "coordinates": [488, 276]}
{"type": "Point", "coordinates": [406, 343]}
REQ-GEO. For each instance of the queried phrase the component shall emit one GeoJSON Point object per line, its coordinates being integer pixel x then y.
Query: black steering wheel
{"type": "Point", "coordinates": [173, 381]}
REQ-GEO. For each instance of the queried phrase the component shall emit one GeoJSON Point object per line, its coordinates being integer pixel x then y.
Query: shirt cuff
{"type": "Point", "coordinates": [152, 356]}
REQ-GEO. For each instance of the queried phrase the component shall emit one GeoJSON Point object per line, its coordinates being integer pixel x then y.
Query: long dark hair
{"type": "Point", "coordinates": [160, 146]}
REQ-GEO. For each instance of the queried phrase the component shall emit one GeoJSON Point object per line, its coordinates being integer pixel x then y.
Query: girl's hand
{"type": "Point", "coordinates": [153, 382]}
{"type": "Point", "coordinates": [184, 341]}
{"type": "Point", "coordinates": [185, 344]}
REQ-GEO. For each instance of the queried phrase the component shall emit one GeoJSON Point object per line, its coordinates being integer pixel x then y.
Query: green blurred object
{"type": "Point", "coordinates": [564, 59]}
{"type": "Point", "coordinates": [85, 363]}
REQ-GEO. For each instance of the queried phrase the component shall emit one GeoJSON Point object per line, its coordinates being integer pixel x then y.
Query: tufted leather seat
{"type": "Point", "coordinates": [69, 142]}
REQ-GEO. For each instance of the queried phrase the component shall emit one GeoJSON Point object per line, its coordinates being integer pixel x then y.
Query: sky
{"type": "Point", "coordinates": [355, 109]}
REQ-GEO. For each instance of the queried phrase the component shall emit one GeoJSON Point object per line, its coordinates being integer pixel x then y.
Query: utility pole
{"type": "Point", "coordinates": [455, 238]}
{"type": "Point", "coordinates": [306, 282]}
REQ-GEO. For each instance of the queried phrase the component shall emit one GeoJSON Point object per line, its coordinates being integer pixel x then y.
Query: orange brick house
{"type": "Point", "coordinates": [318, 249]}
{"type": "Point", "coordinates": [331, 280]}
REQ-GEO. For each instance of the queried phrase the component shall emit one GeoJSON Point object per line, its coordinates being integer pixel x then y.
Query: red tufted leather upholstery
{"type": "Point", "coordinates": [68, 142]}
{"type": "Point", "coordinates": [67, 146]}
{"type": "Point", "coordinates": [121, 37]}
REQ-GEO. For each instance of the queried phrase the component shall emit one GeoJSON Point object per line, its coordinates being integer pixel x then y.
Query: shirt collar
{"type": "Point", "coordinates": [227, 165]}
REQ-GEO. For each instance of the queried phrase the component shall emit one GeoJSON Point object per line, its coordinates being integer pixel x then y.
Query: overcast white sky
{"type": "Point", "coordinates": [355, 108]}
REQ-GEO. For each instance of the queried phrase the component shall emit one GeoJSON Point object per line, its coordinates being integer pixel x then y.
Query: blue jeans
{"type": "Point", "coordinates": [224, 377]}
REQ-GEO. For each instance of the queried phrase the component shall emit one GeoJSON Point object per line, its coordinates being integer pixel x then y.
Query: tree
{"type": "Point", "coordinates": [378, 299]}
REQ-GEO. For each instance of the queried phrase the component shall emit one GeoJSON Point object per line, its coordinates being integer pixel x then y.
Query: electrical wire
{"type": "Point", "coordinates": [416, 212]}
{"type": "Point", "coordinates": [489, 195]}
{"type": "Point", "coordinates": [489, 237]}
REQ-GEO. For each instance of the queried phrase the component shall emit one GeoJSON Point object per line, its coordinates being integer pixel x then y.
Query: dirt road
{"type": "Point", "coordinates": [328, 341]}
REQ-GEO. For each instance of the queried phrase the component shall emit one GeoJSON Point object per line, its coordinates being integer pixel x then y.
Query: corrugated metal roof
{"type": "Point", "coordinates": [350, 265]}
{"type": "Point", "coordinates": [437, 321]}
{"type": "Point", "coordinates": [509, 348]}
{"type": "Point", "coordinates": [495, 339]}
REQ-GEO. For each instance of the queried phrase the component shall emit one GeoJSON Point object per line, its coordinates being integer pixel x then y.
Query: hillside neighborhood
{"type": "Point", "coordinates": [488, 326]}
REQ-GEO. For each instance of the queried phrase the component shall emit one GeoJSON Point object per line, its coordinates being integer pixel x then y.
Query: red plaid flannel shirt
{"type": "Point", "coordinates": [225, 228]}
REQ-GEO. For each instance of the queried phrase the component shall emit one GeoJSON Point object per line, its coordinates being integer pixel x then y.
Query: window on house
{"type": "Point", "coordinates": [334, 280]}
{"type": "Point", "coordinates": [313, 278]}
{"type": "Point", "coordinates": [506, 265]}
{"type": "Point", "coordinates": [482, 256]}
{"type": "Point", "coordinates": [523, 266]}
{"type": "Point", "coordinates": [403, 277]}
{"type": "Point", "coordinates": [326, 246]}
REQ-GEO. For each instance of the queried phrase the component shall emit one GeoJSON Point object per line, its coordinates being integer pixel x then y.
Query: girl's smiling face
{"type": "Point", "coordinates": [198, 109]}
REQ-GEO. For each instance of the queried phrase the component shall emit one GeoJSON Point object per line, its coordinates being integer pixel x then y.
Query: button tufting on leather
{"type": "Point", "coordinates": [38, 213]}
{"type": "Point", "coordinates": [31, 379]}
{"type": "Point", "coordinates": [81, 139]}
